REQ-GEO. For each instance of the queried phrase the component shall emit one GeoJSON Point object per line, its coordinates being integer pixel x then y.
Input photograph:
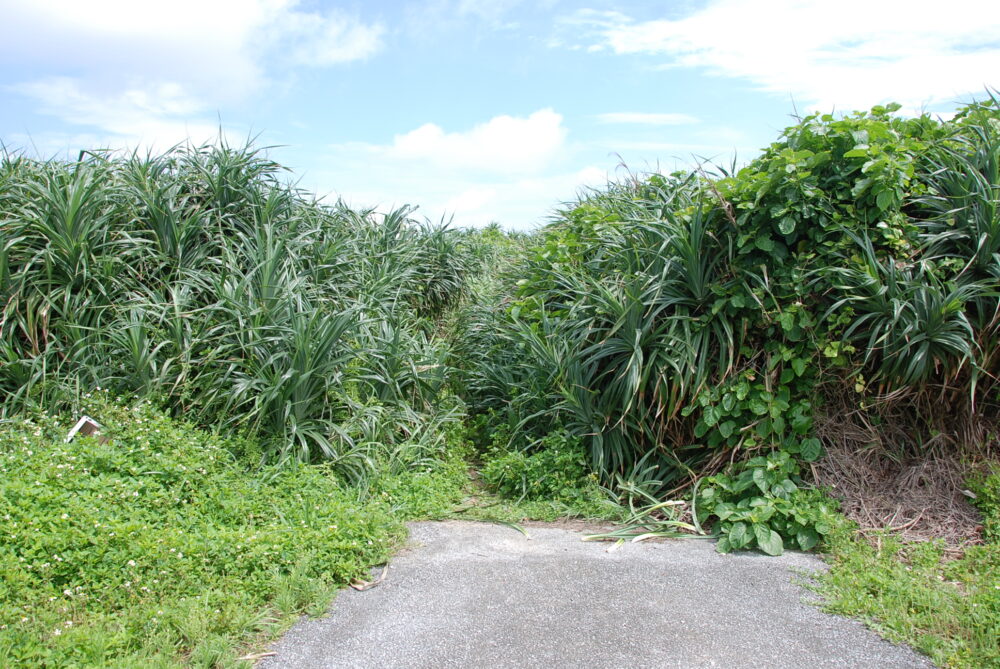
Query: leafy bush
{"type": "Point", "coordinates": [677, 321]}
{"type": "Point", "coordinates": [762, 505]}
{"type": "Point", "coordinates": [557, 470]}
{"type": "Point", "coordinates": [160, 547]}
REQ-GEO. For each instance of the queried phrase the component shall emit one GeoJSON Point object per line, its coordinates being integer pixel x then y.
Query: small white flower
{"type": "Point", "coordinates": [131, 563]}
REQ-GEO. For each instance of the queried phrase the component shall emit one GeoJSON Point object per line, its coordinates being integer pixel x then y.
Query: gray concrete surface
{"type": "Point", "coordinates": [478, 595]}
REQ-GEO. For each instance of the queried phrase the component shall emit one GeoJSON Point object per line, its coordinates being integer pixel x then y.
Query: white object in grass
{"type": "Point", "coordinates": [85, 426]}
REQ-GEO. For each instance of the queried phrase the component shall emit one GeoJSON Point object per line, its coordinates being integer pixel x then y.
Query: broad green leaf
{"type": "Point", "coordinates": [726, 428]}
{"type": "Point", "coordinates": [787, 225]}
{"type": "Point", "coordinates": [742, 390]}
{"type": "Point", "coordinates": [799, 365]}
{"type": "Point", "coordinates": [778, 424]}
{"type": "Point", "coordinates": [811, 449]}
{"type": "Point", "coordinates": [738, 535]}
{"type": "Point", "coordinates": [764, 244]}
{"type": "Point", "coordinates": [711, 416]}
{"type": "Point", "coordinates": [885, 200]}
{"type": "Point", "coordinates": [807, 538]}
{"type": "Point", "coordinates": [768, 540]}
{"type": "Point", "coordinates": [787, 320]}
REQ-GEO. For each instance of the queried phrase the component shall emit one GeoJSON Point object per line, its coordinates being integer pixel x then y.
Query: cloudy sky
{"type": "Point", "coordinates": [482, 109]}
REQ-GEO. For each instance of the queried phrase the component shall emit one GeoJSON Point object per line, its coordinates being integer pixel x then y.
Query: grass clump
{"type": "Point", "coordinates": [200, 278]}
{"type": "Point", "coordinates": [548, 480]}
{"type": "Point", "coordinates": [910, 592]}
{"type": "Point", "coordinates": [556, 470]}
{"type": "Point", "coordinates": [915, 593]}
{"type": "Point", "coordinates": [162, 548]}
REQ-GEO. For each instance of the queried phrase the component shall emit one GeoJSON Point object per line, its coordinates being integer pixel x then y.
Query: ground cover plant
{"type": "Point", "coordinates": [163, 547]}
{"type": "Point", "coordinates": [919, 593]}
{"type": "Point", "coordinates": [298, 360]}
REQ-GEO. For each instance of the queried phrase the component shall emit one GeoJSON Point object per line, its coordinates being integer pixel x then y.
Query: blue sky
{"type": "Point", "coordinates": [485, 110]}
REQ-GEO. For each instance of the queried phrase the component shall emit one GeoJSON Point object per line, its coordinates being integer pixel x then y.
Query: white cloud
{"type": "Point", "coordinates": [488, 10]}
{"type": "Point", "coordinates": [154, 69]}
{"type": "Point", "coordinates": [471, 200]}
{"type": "Point", "coordinates": [320, 40]}
{"type": "Point", "coordinates": [504, 144]}
{"type": "Point", "coordinates": [644, 118]}
{"type": "Point", "coordinates": [152, 116]}
{"type": "Point", "coordinates": [512, 170]}
{"type": "Point", "coordinates": [851, 55]}
{"type": "Point", "coordinates": [517, 203]}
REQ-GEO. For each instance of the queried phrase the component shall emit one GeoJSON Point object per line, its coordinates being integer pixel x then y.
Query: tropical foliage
{"type": "Point", "coordinates": [201, 279]}
{"type": "Point", "coordinates": [674, 322]}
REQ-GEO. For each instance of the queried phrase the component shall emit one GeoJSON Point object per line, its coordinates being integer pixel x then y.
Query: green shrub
{"type": "Point", "coordinates": [672, 321]}
{"type": "Point", "coordinates": [557, 470]}
{"type": "Point", "coordinates": [762, 505]}
{"type": "Point", "coordinates": [201, 279]}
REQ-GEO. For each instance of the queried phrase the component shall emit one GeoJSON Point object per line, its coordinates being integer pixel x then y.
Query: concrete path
{"type": "Point", "coordinates": [478, 595]}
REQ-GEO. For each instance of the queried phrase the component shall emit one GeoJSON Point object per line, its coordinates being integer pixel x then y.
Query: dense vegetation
{"type": "Point", "coordinates": [283, 381]}
{"type": "Point", "coordinates": [200, 278]}
{"type": "Point", "coordinates": [674, 324]}
{"type": "Point", "coordinates": [290, 332]}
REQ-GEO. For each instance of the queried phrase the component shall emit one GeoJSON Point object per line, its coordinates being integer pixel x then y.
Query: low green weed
{"type": "Point", "coordinates": [549, 482]}
{"type": "Point", "coordinates": [948, 609]}
{"type": "Point", "coordinates": [986, 488]}
{"type": "Point", "coordinates": [556, 470]}
{"type": "Point", "coordinates": [162, 548]}
{"type": "Point", "coordinates": [910, 593]}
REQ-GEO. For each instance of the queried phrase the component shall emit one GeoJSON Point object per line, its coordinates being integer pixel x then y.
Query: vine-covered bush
{"type": "Point", "coordinates": [674, 323]}
{"type": "Point", "coordinates": [761, 505]}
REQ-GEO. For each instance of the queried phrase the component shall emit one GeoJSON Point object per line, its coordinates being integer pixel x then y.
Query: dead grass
{"type": "Point", "coordinates": [901, 462]}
